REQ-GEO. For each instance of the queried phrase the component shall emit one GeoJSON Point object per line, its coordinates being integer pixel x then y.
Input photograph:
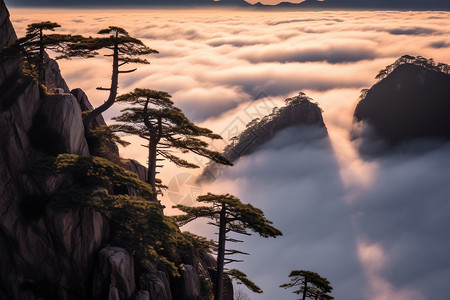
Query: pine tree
{"type": "Point", "coordinates": [311, 285]}
{"type": "Point", "coordinates": [229, 214]}
{"type": "Point", "coordinates": [125, 50]}
{"type": "Point", "coordinates": [33, 47]}
{"type": "Point", "coordinates": [153, 117]}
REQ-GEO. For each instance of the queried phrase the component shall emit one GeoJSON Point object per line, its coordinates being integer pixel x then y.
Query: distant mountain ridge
{"type": "Point", "coordinates": [300, 114]}
{"type": "Point", "coordinates": [102, 3]}
{"type": "Point", "coordinates": [308, 4]}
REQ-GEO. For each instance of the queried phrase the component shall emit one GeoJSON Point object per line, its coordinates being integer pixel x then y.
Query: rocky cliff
{"type": "Point", "coordinates": [412, 101]}
{"type": "Point", "coordinates": [299, 112]}
{"type": "Point", "coordinates": [49, 253]}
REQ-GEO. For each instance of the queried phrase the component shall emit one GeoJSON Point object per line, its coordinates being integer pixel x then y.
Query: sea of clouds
{"type": "Point", "coordinates": [376, 228]}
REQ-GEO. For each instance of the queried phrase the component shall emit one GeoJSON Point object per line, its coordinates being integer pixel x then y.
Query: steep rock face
{"type": "Point", "coordinates": [191, 282]}
{"type": "Point", "coordinates": [61, 254]}
{"type": "Point", "coordinates": [154, 284]}
{"type": "Point", "coordinates": [412, 102]}
{"type": "Point", "coordinates": [114, 276]}
{"type": "Point", "coordinates": [54, 78]}
{"type": "Point", "coordinates": [61, 115]}
{"type": "Point", "coordinates": [43, 253]}
{"type": "Point", "coordinates": [300, 112]}
{"type": "Point", "coordinates": [7, 32]}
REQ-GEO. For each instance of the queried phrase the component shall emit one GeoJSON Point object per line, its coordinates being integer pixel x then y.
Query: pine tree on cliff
{"type": "Point", "coordinates": [229, 214]}
{"type": "Point", "coordinates": [33, 47]}
{"type": "Point", "coordinates": [153, 117]}
{"type": "Point", "coordinates": [311, 285]}
{"type": "Point", "coordinates": [125, 50]}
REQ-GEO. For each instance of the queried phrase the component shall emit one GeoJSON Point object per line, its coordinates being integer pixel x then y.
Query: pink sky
{"type": "Point", "coordinates": [272, 2]}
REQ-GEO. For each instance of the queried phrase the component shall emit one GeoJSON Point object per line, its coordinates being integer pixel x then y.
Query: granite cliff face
{"type": "Point", "coordinates": [64, 254]}
{"type": "Point", "coordinates": [412, 102]}
{"type": "Point", "coordinates": [299, 112]}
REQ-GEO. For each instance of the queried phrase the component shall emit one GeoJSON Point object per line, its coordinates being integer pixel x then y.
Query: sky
{"type": "Point", "coordinates": [376, 228]}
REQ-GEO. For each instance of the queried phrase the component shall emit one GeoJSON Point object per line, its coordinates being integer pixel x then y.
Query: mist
{"type": "Point", "coordinates": [375, 228]}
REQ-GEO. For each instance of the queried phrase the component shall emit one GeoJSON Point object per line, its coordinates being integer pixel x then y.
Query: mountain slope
{"type": "Point", "coordinates": [299, 113]}
{"type": "Point", "coordinates": [53, 243]}
{"type": "Point", "coordinates": [102, 3]}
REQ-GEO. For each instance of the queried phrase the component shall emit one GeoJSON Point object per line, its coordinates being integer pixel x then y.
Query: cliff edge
{"type": "Point", "coordinates": [69, 253]}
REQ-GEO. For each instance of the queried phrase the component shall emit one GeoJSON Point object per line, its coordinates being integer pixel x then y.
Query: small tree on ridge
{"type": "Point", "coordinates": [311, 285]}
{"type": "Point", "coordinates": [153, 117]}
{"type": "Point", "coordinates": [229, 214]}
{"type": "Point", "coordinates": [125, 50]}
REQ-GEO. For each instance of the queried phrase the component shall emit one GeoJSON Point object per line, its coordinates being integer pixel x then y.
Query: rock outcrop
{"type": "Point", "coordinates": [114, 276]}
{"type": "Point", "coordinates": [300, 112]}
{"type": "Point", "coordinates": [48, 253]}
{"type": "Point", "coordinates": [412, 102]}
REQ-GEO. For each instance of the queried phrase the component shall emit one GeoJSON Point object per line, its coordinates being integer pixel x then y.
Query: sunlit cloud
{"type": "Point", "coordinates": [376, 229]}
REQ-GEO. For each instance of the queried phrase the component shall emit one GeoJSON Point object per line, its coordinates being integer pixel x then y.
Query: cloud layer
{"type": "Point", "coordinates": [376, 229]}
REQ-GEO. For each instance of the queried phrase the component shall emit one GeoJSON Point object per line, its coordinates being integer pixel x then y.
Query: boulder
{"type": "Point", "coordinates": [114, 274]}
{"type": "Point", "coordinates": [53, 77]}
{"type": "Point", "coordinates": [60, 116]}
{"type": "Point", "coordinates": [157, 284]}
{"type": "Point", "coordinates": [191, 282]}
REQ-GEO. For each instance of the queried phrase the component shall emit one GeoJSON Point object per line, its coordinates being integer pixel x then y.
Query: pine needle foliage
{"type": "Point", "coordinates": [137, 223]}
{"type": "Point", "coordinates": [310, 285]}
{"type": "Point", "coordinates": [33, 46]}
{"type": "Point", "coordinates": [229, 214]}
{"type": "Point", "coordinates": [123, 48]}
{"type": "Point", "coordinates": [153, 116]}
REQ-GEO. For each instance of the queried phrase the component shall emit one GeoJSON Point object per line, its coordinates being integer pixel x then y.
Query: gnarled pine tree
{"type": "Point", "coordinates": [311, 285]}
{"type": "Point", "coordinates": [32, 47]}
{"type": "Point", "coordinates": [153, 117]}
{"type": "Point", "coordinates": [230, 215]}
{"type": "Point", "coordinates": [125, 50]}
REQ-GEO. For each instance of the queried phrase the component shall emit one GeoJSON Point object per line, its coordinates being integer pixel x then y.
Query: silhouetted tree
{"type": "Point", "coordinates": [153, 117]}
{"type": "Point", "coordinates": [125, 50]}
{"type": "Point", "coordinates": [311, 285]}
{"type": "Point", "coordinates": [32, 47]}
{"type": "Point", "coordinates": [429, 64]}
{"type": "Point", "coordinates": [229, 214]}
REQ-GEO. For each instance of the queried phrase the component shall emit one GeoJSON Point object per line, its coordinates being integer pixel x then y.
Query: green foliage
{"type": "Point", "coordinates": [229, 214]}
{"type": "Point", "coordinates": [137, 223]}
{"type": "Point", "coordinates": [310, 284]}
{"type": "Point", "coordinates": [154, 116]}
{"type": "Point", "coordinates": [102, 140]}
{"type": "Point", "coordinates": [240, 216]}
{"type": "Point", "coordinates": [125, 50]}
{"type": "Point", "coordinates": [32, 48]}
{"type": "Point", "coordinates": [241, 278]}
{"type": "Point", "coordinates": [128, 48]}
{"type": "Point", "coordinates": [261, 126]}
{"type": "Point", "coordinates": [200, 243]}
{"type": "Point", "coordinates": [429, 64]}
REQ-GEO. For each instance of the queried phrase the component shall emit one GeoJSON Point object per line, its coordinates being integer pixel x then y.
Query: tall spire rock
{"type": "Point", "coordinates": [7, 32]}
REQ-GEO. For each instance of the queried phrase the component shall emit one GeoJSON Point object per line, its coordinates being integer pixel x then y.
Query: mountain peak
{"type": "Point", "coordinates": [411, 101]}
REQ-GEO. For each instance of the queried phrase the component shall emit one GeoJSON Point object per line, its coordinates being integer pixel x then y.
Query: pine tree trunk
{"type": "Point", "coordinates": [221, 254]}
{"type": "Point", "coordinates": [41, 65]}
{"type": "Point", "coordinates": [151, 171]}
{"type": "Point", "coordinates": [305, 286]}
{"type": "Point", "coordinates": [112, 92]}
